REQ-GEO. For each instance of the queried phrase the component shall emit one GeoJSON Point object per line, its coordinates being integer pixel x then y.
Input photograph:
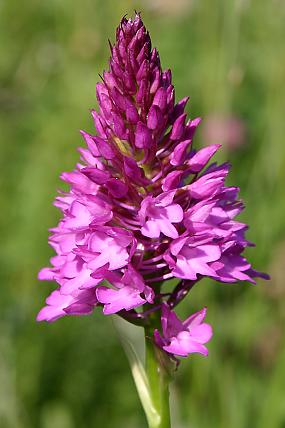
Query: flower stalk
{"type": "Point", "coordinates": [158, 379]}
{"type": "Point", "coordinates": [152, 378]}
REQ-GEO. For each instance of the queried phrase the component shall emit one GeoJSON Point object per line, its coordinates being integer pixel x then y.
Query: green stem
{"type": "Point", "coordinates": [158, 379]}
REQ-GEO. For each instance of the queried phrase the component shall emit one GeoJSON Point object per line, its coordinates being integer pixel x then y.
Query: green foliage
{"type": "Point", "coordinates": [228, 55]}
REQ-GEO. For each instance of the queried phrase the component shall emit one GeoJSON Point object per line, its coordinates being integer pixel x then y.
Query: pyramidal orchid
{"type": "Point", "coordinates": [145, 206]}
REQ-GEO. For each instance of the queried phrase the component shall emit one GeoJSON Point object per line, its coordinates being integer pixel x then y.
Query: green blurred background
{"type": "Point", "coordinates": [228, 55]}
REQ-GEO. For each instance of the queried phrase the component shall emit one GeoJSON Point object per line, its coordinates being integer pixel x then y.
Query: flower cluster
{"type": "Point", "coordinates": [143, 206]}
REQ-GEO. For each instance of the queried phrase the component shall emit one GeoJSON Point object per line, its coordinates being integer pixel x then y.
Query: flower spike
{"type": "Point", "coordinates": [143, 205]}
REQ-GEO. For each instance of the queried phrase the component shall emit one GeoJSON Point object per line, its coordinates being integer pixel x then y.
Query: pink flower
{"type": "Point", "coordinates": [59, 305]}
{"type": "Point", "coordinates": [157, 216]}
{"type": "Point", "coordinates": [183, 337]}
{"type": "Point", "coordinates": [193, 256]}
{"type": "Point", "coordinates": [128, 292]}
{"type": "Point", "coordinates": [107, 246]}
{"type": "Point", "coordinates": [143, 206]}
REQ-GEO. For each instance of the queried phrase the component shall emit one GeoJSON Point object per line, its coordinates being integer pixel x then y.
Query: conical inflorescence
{"type": "Point", "coordinates": [144, 206]}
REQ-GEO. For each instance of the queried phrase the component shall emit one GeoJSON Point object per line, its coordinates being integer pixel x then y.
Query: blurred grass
{"type": "Point", "coordinates": [228, 55]}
